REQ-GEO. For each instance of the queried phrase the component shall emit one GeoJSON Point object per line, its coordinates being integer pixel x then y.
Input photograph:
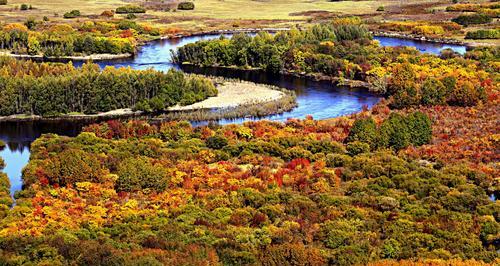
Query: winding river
{"type": "Point", "coordinates": [319, 99]}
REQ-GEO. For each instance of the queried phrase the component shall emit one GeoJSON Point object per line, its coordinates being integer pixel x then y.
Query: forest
{"type": "Point", "coordinates": [49, 89]}
{"type": "Point", "coordinates": [59, 40]}
{"type": "Point", "coordinates": [344, 49]}
{"type": "Point", "coordinates": [321, 192]}
{"type": "Point", "coordinates": [411, 178]}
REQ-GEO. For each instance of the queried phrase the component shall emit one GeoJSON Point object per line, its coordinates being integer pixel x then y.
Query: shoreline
{"type": "Point", "coordinates": [416, 37]}
{"type": "Point", "coordinates": [93, 57]}
{"type": "Point", "coordinates": [336, 81]}
{"type": "Point", "coordinates": [242, 93]}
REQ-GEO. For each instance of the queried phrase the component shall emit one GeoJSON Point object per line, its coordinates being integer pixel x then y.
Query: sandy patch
{"type": "Point", "coordinates": [232, 94]}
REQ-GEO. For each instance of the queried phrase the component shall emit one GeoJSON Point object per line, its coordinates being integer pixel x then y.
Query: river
{"type": "Point", "coordinates": [319, 99]}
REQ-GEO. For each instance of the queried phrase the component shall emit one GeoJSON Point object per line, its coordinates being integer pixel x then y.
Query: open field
{"type": "Point", "coordinates": [54, 9]}
{"type": "Point", "coordinates": [208, 9]}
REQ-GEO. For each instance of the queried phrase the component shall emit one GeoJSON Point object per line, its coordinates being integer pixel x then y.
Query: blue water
{"type": "Point", "coordinates": [15, 159]}
{"type": "Point", "coordinates": [320, 99]}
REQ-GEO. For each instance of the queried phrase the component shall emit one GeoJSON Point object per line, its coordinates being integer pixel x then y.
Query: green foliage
{"type": "Point", "coordinates": [420, 127]}
{"type": "Point", "coordinates": [138, 174]}
{"type": "Point", "coordinates": [357, 147]}
{"type": "Point", "coordinates": [483, 34]}
{"type": "Point", "coordinates": [433, 92]}
{"type": "Point", "coordinates": [467, 20]}
{"type": "Point", "coordinates": [72, 14]}
{"type": "Point", "coordinates": [131, 16]}
{"type": "Point", "coordinates": [61, 88]}
{"type": "Point", "coordinates": [30, 23]}
{"type": "Point", "coordinates": [216, 142]}
{"type": "Point", "coordinates": [381, 8]}
{"type": "Point", "coordinates": [364, 130]}
{"type": "Point", "coordinates": [394, 132]}
{"type": "Point", "coordinates": [24, 7]}
{"type": "Point", "coordinates": [130, 9]}
{"type": "Point", "coordinates": [3, 2]}
{"type": "Point", "coordinates": [309, 50]}
{"type": "Point", "coordinates": [185, 6]}
{"type": "Point", "coordinates": [397, 131]}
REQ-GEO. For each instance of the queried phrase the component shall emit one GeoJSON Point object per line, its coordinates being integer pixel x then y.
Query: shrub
{"type": "Point", "coordinates": [428, 30]}
{"type": "Point", "coordinates": [139, 173]}
{"type": "Point", "coordinates": [3, 2]}
{"type": "Point", "coordinates": [108, 13]}
{"type": "Point", "coordinates": [131, 16]}
{"type": "Point", "coordinates": [130, 9]}
{"type": "Point", "coordinates": [433, 92]}
{"type": "Point", "coordinates": [24, 7]}
{"type": "Point", "coordinates": [483, 34]}
{"type": "Point", "coordinates": [337, 160]}
{"type": "Point", "coordinates": [2, 144]}
{"type": "Point", "coordinates": [216, 142]}
{"type": "Point", "coordinates": [185, 6]}
{"type": "Point", "coordinates": [420, 127]}
{"type": "Point", "coordinates": [72, 14]}
{"type": "Point", "coordinates": [363, 130]}
{"type": "Point", "coordinates": [381, 8]}
{"type": "Point", "coordinates": [30, 23]}
{"type": "Point", "coordinates": [394, 133]}
{"type": "Point", "coordinates": [357, 147]}
{"type": "Point", "coordinates": [472, 19]}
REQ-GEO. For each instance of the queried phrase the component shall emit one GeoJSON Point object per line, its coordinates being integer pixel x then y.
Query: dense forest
{"type": "Point", "coordinates": [27, 87]}
{"type": "Point", "coordinates": [41, 38]}
{"type": "Point", "coordinates": [316, 192]}
{"type": "Point", "coordinates": [412, 180]}
{"type": "Point", "coordinates": [343, 48]}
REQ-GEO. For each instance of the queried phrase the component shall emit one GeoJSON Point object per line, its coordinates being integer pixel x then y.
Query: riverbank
{"type": "Point", "coordinates": [469, 44]}
{"type": "Point", "coordinates": [93, 57]}
{"type": "Point", "coordinates": [232, 95]}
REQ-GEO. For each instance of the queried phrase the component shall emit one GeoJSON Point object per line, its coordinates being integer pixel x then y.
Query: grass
{"type": "Point", "coordinates": [205, 9]}
{"type": "Point", "coordinates": [50, 8]}
{"type": "Point", "coordinates": [276, 9]}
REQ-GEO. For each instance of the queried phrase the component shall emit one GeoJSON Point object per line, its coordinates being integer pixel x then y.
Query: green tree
{"type": "Point", "coordinates": [364, 130]}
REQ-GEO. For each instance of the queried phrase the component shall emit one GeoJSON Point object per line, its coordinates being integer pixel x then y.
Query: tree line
{"type": "Point", "coordinates": [343, 49]}
{"type": "Point", "coordinates": [35, 38]}
{"type": "Point", "coordinates": [46, 89]}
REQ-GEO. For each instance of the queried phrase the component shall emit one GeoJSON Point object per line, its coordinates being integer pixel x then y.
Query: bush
{"type": "Point", "coordinates": [466, 20]}
{"type": "Point", "coordinates": [381, 8]}
{"type": "Point", "coordinates": [428, 30]}
{"type": "Point", "coordinates": [420, 127]}
{"type": "Point", "coordinates": [3, 2]}
{"type": "Point", "coordinates": [483, 34]}
{"type": "Point", "coordinates": [139, 173]}
{"type": "Point", "coordinates": [24, 7]}
{"type": "Point", "coordinates": [72, 14]}
{"type": "Point", "coordinates": [2, 144]}
{"type": "Point", "coordinates": [364, 130]}
{"type": "Point", "coordinates": [357, 147]}
{"type": "Point", "coordinates": [216, 142]}
{"type": "Point", "coordinates": [185, 6]}
{"type": "Point", "coordinates": [30, 23]}
{"type": "Point", "coordinates": [394, 133]}
{"type": "Point", "coordinates": [130, 9]}
{"type": "Point", "coordinates": [108, 13]}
